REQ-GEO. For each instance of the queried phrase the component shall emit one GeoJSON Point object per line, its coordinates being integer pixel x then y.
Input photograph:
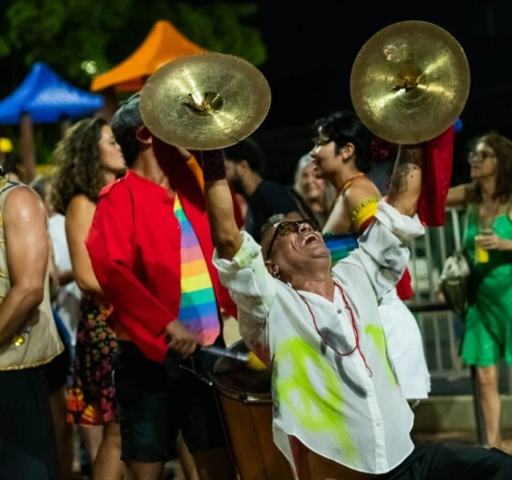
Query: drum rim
{"type": "Point", "coordinates": [242, 396]}
{"type": "Point", "coordinates": [238, 395]}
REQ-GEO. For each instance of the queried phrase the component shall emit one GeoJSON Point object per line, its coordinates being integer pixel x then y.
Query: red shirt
{"type": "Point", "coordinates": [134, 244]}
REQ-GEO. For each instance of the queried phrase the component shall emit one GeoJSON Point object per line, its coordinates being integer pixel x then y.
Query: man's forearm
{"type": "Point", "coordinates": [15, 310]}
{"type": "Point", "coordinates": [405, 187]}
{"type": "Point", "coordinates": [219, 204]}
{"type": "Point", "coordinates": [506, 245]}
{"type": "Point", "coordinates": [66, 277]}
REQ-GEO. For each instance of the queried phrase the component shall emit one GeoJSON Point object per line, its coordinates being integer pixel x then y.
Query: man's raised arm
{"type": "Point", "coordinates": [219, 203]}
{"type": "Point", "coordinates": [405, 187]}
{"type": "Point", "coordinates": [383, 251]}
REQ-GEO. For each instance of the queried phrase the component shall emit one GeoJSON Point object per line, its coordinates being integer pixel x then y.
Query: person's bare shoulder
{"type": "Point", "coordinates": [360, 191]}
{"type": "Point", "coordinates": [23, 203]}
{"type": "Point", "coordinates": [80, 205]}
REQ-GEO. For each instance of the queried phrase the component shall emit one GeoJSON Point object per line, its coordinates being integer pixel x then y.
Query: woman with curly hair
{"type": "Point", "coordinates": [488, 242]}
{"type": "Point", "coordinates": [89, 158]}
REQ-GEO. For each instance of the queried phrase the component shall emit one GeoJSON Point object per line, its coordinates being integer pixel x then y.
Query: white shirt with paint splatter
{"type": "Point", "coordinates": [333, 404]}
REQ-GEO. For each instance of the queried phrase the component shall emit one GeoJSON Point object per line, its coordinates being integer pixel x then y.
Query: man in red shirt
{"type": "Point", "coordinates": [151, 247]}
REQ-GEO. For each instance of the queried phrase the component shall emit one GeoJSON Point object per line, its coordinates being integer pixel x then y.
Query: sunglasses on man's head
{"type": "Point", "coordinates": [289, 226]}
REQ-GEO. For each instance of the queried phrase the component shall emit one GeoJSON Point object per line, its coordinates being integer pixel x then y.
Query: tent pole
{"type": "Point", "coordinates": [110, 103]}
{"type": "Point", "coordinates": [64, 124]}
{"type": "Point", "coordinates": [27, 148]}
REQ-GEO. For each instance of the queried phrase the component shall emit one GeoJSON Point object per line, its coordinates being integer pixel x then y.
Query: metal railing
{"type": "Point", "coordinates": [441, 329]}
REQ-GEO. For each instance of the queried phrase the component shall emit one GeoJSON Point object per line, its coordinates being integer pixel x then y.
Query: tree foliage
{"type": "Point", "coordinates": [219, 27]}
{"type": "Point", "coordinates": [65, 33]}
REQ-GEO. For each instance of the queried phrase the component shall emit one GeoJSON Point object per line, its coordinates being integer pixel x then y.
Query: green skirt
{"type": "Point", "coordinates": [488, 333]}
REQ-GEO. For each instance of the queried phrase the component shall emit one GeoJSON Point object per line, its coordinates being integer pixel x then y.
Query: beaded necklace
{"type": "Point", "coordinates": [349, 181]}
{"type": "Point", "coordinates": [354, 328]}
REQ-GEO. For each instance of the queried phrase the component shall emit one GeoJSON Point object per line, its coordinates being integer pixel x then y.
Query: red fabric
{"type": "Point", "coordinates": [404, 286]}
{"type": "Point", "coordinates": [134, 245]}
{"type": "Point", "coordinates": [365, 224]}
{"type": "Point", "coordinates": [437, 175]}
{"type": "Point", "coordinates": [239, 218]}
{"type": "Point", "coordinates": [381, 149]}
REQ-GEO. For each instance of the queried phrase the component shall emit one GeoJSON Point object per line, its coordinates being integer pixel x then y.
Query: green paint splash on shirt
{"type": "Point", "coordinates": [297, 393]}
{"type": "Point", "coordinates": [378, 336]}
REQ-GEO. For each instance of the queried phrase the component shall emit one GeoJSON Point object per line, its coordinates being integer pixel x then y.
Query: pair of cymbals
{"type": "Point", "coordinates": [409, 83]}
{"type": "Point", "coordinates": [205, 101]}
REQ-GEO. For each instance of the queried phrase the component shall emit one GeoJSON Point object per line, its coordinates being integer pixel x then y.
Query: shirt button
{"type": "Point", "coordinates": [339, 310]}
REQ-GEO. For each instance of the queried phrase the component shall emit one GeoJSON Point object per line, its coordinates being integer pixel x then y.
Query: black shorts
{"type": "Point", "coordinates": [28, 449]}
{"type": "Point", "coordinates": [156, 401]}
{"type": "Point", "coordinates": [57, 371]}
{"type": "Point", "coordinates": [445, 462]}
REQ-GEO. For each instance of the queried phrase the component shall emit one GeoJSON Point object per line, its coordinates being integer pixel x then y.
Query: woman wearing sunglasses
{"type": "Point", "coordinates": [488, 242]}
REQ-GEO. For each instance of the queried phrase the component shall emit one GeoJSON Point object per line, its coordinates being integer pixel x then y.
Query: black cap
{"type": "Point", "coordinates": [127, 116]}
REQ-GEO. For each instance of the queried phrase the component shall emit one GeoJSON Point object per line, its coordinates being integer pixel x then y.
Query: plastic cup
{"type": "Point", "coordinates": [481, 255]}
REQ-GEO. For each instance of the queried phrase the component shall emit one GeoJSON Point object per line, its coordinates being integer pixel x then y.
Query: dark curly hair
{"type": "Point", "coordinates": [345, 127]}
{"type": "Point", "coordinates": [249, 151]}
{"type": "Point", "coordinates": [78, 161]}
{"type": "Point", "coordinates": [502, 147]}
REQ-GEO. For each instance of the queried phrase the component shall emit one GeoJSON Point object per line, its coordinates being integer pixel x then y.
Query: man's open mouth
{"type": "Point", "coordinates": [308, 238]}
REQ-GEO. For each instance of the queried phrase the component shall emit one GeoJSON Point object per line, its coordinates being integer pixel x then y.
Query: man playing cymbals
{"type": "Point", "coordinates": [338, 410]}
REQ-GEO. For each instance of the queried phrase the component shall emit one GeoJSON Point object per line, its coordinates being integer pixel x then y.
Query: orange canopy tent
{"type": "Point", "coordinates": [163, 44]}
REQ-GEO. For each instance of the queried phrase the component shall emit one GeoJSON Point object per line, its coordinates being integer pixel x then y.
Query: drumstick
{"type": "Point", "coordinates": [222, 352]}
{"type": "Point", "coordinates": [255, 363]}
{"type": "Point", "coordinates": [252, 361]}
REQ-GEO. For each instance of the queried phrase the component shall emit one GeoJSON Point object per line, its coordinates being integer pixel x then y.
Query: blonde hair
{"type": "Point", "coordinates": [329, 191]}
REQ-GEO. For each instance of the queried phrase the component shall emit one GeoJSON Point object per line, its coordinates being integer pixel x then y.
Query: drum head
{"type": "Point", "coordinates": [236, 380]}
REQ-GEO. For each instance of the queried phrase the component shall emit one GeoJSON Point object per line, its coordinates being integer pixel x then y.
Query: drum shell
{"type": "Point", "coordinates": [248, 416]}
{"type": "Point", "coordinates": [250, 431]}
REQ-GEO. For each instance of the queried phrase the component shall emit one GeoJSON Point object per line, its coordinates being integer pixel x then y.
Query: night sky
{"type": "Point", "coordinates": [312, 46]}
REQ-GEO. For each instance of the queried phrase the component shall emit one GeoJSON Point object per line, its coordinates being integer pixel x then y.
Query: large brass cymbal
{"type": "Point", "coordinates": [410, 82]}
{"type": "Point", "coordinates": [205, 101]}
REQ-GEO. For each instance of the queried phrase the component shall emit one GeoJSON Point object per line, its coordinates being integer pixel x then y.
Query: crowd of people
{"type": "Point", "coordinates": [118, 268]}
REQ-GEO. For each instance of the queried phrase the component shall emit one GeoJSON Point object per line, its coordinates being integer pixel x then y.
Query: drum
{"type": "Point", "coordinates": [247, 404]}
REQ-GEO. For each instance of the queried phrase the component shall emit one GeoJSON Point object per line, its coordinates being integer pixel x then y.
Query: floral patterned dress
{"type": "Point", "coordinates": [91, 399]}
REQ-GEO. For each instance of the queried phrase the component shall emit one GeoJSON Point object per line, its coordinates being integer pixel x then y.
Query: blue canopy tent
{"type": "Point", "coordinates": [47, 99]}
{"type": "Point", "coordinates": [43, 97]}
